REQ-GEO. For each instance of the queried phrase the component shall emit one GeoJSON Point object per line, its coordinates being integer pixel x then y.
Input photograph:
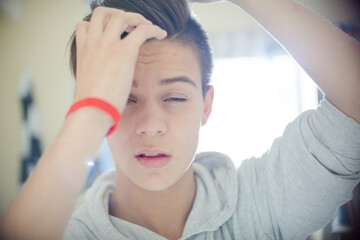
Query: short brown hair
{"type": "Point", "coordinates": [173, 16]}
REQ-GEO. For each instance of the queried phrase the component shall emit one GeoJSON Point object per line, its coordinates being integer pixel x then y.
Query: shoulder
{"type": "Point", "coordinates": [215, 167]}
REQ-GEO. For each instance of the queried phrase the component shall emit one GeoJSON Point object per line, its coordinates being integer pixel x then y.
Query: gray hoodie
{"type": "Point", "coordinates": [288, 193]}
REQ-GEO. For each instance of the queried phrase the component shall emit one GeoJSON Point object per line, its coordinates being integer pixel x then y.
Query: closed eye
{"type": "Point", "coordinates": [175, 99]}
{"type": "Point", "coordinates": [130, 100]}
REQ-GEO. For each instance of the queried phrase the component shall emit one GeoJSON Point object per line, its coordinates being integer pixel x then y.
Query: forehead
{"type": "Point", "coordinates": [159, 60]}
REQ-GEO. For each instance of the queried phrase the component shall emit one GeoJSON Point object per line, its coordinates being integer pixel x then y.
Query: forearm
{"type": "Point", "coordinates": [104, 69]}
{"type": "Point", "coordinates": [47, 199]}
{"type": "Point", "coordinates": [329, 56]}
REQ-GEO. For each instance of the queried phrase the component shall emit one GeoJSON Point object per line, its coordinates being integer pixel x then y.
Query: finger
{"type": "Point", "coordinates": [129, 29]}
{"type": "Point", "coordinates": [99, 18]}
{"type": "Point", "coordinates": [144, 32]}
{"type": "Point", "coordinates": [81, 32]}
{"type": "Point", "coordinates": [119, 23]}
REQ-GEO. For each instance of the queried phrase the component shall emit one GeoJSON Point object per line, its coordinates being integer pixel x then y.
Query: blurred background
{"type": "Point", "coordinates": [258, 87]}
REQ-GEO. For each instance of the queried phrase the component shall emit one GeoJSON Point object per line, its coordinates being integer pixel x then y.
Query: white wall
{"type": "Point", "coordinates": [36, 40]}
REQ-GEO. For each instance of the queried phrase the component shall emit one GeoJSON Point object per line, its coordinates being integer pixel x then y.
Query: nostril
{"type": "Point", "coordinates": [150, 123]}
{"type": "Point", "coordinates": [150, 132]}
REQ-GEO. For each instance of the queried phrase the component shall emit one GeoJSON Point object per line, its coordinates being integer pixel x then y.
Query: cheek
{"type": "Point", "coordinates": [120, 139]}
{"type": "Point", "coordinates": [189, 128]}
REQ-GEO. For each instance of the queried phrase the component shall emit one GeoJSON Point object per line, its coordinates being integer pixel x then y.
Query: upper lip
{"type": "Point", "coordinates": [151, 152]}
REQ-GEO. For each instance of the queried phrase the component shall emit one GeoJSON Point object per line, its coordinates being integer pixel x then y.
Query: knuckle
{"type": "Point", "coordinates": [138, 15]}
{"type": "Point", "coordinates": [132, 15]}
{"type": "Point", "coordinates": [117, 13]}
{"type": "Point", "coordinates": [81, 25]}
{"type": "Point", "coordinates": [97, 11]}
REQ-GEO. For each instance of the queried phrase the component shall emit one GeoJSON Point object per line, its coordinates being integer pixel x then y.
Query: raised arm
{"type": "Point", "coordinates": [105, 68]}
{"type": "Point", "coordinates": [329, 56]}
{"type": "Point", "coordinates": [312, 169]}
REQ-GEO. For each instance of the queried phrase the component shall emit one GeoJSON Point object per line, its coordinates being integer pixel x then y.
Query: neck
{"type": "Point", "coordinates": [164, 212]}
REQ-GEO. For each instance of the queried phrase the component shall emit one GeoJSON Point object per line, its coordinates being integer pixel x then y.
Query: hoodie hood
{"type": "Point", "coordinates": [214, 204]}
{"type": "Point", "coordinates": [216, 193]}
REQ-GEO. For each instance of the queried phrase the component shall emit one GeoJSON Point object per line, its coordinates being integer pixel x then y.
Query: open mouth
{"type": "Point", "coordinates": [153, 159]}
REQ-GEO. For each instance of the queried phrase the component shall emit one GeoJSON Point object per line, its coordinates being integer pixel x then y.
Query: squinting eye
{"type": "Point", "coordinates": [175, 99]}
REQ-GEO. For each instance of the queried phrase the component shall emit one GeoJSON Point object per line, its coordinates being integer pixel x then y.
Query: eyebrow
{"type": "Point", "coordinates": [183, 79]}
{"type": "Point", "coordinates": [169, 81]}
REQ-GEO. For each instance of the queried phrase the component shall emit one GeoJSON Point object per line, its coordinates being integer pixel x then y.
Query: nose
{"type": "Point", "coordinates": [151, 122]}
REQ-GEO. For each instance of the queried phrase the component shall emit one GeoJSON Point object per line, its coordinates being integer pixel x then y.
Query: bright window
{"type": "Point", "coordinates": [255, 98]}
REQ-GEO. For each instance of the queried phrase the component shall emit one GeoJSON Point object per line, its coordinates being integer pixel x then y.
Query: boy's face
{"type": "Point", "coordinates": [157, 136]}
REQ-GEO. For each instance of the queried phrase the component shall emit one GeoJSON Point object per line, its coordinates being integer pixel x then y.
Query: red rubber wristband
{"type": "Point", "coordinates": [100, 104]}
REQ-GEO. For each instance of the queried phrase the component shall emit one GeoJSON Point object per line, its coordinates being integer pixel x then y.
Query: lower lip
{"type": "Point", "coordinates": [153, 162]}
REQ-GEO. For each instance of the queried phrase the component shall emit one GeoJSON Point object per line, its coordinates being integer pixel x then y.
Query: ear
{"type": "Point", "coordinates": [208, 101]}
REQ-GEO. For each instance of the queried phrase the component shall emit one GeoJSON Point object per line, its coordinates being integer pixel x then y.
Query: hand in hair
{"type": "Point", "coordinates": [105, 62]}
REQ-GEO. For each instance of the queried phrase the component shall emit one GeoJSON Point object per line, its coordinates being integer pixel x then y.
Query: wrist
{"type": "Point", "coordinates": [98, 104]}
{"type": "Point", "coordinates": [92, 119]}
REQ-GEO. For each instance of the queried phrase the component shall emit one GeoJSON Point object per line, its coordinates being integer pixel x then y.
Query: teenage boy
{"type": "Point", "coordinates": [157, 81]}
